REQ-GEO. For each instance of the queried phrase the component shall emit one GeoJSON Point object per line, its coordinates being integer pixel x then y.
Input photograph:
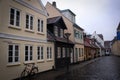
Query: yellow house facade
{"type": "Point", "coordinates": [23, 37]}
{"type": "Point", "coordinates": [78, 51]}
{"type": "Point", "coordinates": [116, 48]}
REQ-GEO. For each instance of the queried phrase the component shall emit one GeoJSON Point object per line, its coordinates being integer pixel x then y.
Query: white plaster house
{"type": "Point", "coordinates": [100, 40]}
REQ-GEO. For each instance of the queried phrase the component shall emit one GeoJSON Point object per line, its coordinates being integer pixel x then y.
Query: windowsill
{"type": "Point", "coordinates": [28, 62]}
{"type": "Point", "coordinates": [28, 30]}
{"type": "Point", "coordinates": [41, 33]}
{"type": "Point", "coordinates": [40, 61]}
{"type": "Point", "coordinates": [13, 64]}
{"type": "Point", "coordinates": [49, 60]}
{"type": "Point", "coordinates": [14, 27]}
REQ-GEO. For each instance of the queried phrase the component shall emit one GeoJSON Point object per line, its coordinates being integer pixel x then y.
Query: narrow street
{"type": "Point", "coordinates": [106, 68]}
{"type": "Point", "coordinates": [103, 68]}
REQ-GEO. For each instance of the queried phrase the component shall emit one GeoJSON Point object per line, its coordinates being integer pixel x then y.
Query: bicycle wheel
{"type": "Point", "coordinates": [34, 71]}
{"type": "Point", "coordinates": [24, 74]}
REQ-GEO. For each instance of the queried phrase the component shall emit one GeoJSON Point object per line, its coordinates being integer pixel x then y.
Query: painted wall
{"type": "Point", "coordinates": [13, 70]}
{"type": "Point", "coordinates": [116, 48]}
{"type": "Point", "coordinates": [10, 34]}
{"type": "Point", "coordinates": [22, 31]}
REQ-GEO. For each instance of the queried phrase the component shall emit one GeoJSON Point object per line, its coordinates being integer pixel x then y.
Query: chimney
{"type": "Point", "coordinates": [54, 4]}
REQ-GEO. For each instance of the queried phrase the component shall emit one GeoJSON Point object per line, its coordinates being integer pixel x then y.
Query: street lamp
{"type": "Point", "coordinates": [68, 57]}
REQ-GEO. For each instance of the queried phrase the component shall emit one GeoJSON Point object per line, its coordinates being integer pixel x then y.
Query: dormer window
{"type": "Point", "coordinates": [61, 33]}
{"type": "Point", "coordinates": [56, 30]}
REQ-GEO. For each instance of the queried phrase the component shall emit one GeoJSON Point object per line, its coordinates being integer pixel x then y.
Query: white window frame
{"type": "Point", "coordinates": [49, 53]}
{"type": "Point", "coordinates": [13, 53]}
{"type": "Point", "coordinates": [40, 53]}
{"type": "Point", "coordinates": [15, 17]}
{"type": "Point", "coordinates": [28, 53]}
{"type": "Point", "coordinates": [40, 25]}
{"type": "Point", "coordinates": [30, 25]}
{"type": "Point", "coordinates": [58, 52]}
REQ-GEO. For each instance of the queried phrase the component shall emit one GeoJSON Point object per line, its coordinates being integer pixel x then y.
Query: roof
{"type": "Point", "coordinates": [101, 36]}
{"type": "Point", "coordinates": [58, 20]}
{"type": "Point", "coordinates": [53, 20]}
{"type": "Point", "coordinates": [69, 11]}
{"type": "Point", "coordinates": [52, 37]}
{"type": "Point", "coordinates": [107, 44]}
{"type": "Point", "coordinates": [75, 25]}
{"type": "Point", "coordinates": [118, 28]}
{"type": "Point", "coordinates": [86, 42]}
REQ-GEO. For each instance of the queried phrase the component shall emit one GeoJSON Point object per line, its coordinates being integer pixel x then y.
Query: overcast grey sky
{"type": "Point", "coordinates": [102, 16]}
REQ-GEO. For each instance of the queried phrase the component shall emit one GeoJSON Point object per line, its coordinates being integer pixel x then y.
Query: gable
{"type": "Point", "coordinates": [35, 5]}
{"type": "Point", "coordinates": [52, 11]}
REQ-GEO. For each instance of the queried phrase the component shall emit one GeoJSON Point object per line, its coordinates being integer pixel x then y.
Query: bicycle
{"type": "Point", "coordinates": [30, 70]}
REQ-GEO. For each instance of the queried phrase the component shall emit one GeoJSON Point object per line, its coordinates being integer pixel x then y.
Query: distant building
{"type": "Point", "coordinates": [116, 43]}
{"type": "Point", "coordinates": [107, 47]}
{"type": "Point", "coordinates": [100, 42]}
{"type": "Point", "coordinates": [91, 50]}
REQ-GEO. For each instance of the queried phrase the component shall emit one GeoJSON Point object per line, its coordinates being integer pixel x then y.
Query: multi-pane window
{"type": "Point", "coordinates": [40, 52]}
{"type": "Point", "coordinates": [61, 33]}
{"type": "Point", "coordinates": [28, 53]}
{"type": "Point", "coordinates": [29, 22]}
{"type": "Point", "coordinates": [58, 52]}
{"type": "Point", "coordinates": [56, 30]}
{"type": "Point", "coordinates": [14, 17]}
{"type": "Point", "coordinates": [63, 52]}
{"type": "Point", "coordinates": [40, 25]}
{"type": "Point", "coordinates": [49, 52]}
{"type": "Point", "coordinates": [13, 53]}
{"type": "Point", "coordinates": [76, 33]}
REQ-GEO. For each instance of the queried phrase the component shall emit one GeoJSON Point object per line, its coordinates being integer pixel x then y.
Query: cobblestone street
{"type": "Point", "coordinates": [103, 68]}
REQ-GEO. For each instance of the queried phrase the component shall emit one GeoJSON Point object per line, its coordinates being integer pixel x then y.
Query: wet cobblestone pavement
{"type": "Point", "coordinates": [103, 68]}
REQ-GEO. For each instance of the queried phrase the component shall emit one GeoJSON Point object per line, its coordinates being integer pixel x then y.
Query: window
{"type": "Point", "coordinates": [63, 52]}
{"type": "Point", "coordinates": [68, 54]}
{"type": "Point", "coordinates": [49, 52]}
{"type": "Point", "coordinates": [79, 52]}
{"type": "Point", "coordinates": [82, 52]}
{"type": "Point", "coordinates": [40, 52]}
{"type": "Point", "coordinates": [76, 33]}
{"type": "Point", "coordinates": [13, 53]}
{"type": "Point", "coordinates": [28, 53]}
{"type": "Point", "coordinates": [14, 17]}
{"type": "Point", "coordinates": [58, 52]}
{"type": "Point", "coordinates": [61, 33]}
{"type": "Point", "coordinates": [81, 36]}
{"type": "Point", "coordinates": [40, 25]}
{"type": "Point", "coordinates": [29, 22]}
{"type": "Point", "coordinates": [56, 30]}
